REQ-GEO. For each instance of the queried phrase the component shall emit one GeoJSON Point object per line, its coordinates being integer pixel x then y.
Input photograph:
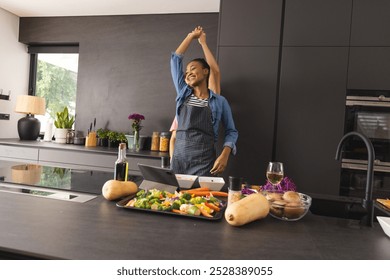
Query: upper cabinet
{"type": "Point", "coordinates": [250, 22]}
{"type": "Point", "coordinates": [370, 23]}
{"type": "Point", "coordinates": [317, 22]}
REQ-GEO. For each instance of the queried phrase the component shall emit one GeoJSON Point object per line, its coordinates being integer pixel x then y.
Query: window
{"type": "Point", "coordinates": [53, 76]}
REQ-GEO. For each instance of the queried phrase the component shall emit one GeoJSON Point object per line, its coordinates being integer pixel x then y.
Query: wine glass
{"type": "Point", "coordinates": [275, 173]}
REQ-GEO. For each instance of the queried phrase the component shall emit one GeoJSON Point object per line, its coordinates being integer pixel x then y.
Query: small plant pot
{"type": "Point", "coordinates": [103, 142]}
{"type": "Point", "coordinates": [60, 135]}
{"type": "Point", "coordinates": [113, 144]}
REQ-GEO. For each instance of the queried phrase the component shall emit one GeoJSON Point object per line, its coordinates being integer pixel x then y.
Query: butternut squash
{"type": "Point", "coordinates": [114, 189]}
{"type": "Point", "coordinates": [246, 210]}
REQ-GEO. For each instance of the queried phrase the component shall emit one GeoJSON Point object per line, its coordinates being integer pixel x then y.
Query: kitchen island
{"type": "Point", "coordinates": [42, 228]}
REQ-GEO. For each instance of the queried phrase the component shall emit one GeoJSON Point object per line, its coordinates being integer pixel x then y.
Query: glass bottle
{"type": "Point", "coordinates": [234, 193]}
{"type": "Point", "coordinates": [121, 164]}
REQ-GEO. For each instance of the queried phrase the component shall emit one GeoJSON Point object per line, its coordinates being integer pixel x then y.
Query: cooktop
{"type": "Point", "coordinates": [69, 179]}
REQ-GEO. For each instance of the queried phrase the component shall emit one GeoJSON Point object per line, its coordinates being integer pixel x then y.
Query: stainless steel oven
{"type": "Point", "coordinates": [367, 112]}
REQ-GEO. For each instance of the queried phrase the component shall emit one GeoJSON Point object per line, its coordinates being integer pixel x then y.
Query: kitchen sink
{"type": "Point", "coordinates": [46, 193]}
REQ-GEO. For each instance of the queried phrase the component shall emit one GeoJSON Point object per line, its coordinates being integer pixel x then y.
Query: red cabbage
{"type": "Point", "coordinates": [285, 185]}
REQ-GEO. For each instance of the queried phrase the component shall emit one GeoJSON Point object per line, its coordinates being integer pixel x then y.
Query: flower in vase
{"type": "Point", "coordinates": [137, 119]}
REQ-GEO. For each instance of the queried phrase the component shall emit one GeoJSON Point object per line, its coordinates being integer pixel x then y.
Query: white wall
{"type": "Point", "coordinates": [14, 68]}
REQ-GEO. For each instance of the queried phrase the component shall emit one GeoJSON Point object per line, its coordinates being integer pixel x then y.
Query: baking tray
{"type": "Point", "coordinates": [216, 217]}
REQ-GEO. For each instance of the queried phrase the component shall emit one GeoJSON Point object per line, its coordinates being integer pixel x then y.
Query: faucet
{"type": "Point", "coordinates": [367, 202]}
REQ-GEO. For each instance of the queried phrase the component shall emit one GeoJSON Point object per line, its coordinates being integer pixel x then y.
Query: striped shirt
{"type": "Point", "coordinates": [197, 102]}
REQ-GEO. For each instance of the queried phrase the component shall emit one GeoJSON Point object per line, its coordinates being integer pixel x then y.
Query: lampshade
{"type": "Point", "coordinates": [28, 104]}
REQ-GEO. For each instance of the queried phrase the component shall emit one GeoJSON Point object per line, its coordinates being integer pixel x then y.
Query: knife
{"type": "Point", "coordinates": [94, 124]}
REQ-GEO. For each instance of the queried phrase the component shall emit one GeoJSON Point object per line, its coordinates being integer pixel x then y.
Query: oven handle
{"type": "Point", "coordinates": [367, 103]}
{"type": "Point", "coordinates": [356, 166]}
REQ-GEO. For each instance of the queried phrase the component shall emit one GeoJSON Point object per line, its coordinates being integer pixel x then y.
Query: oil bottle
{"type": "Point", "coordinates": [121, 164]}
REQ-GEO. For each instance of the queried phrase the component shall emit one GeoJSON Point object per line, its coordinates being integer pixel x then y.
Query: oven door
{"type": "Point", "coordinates": [354, 178]}
{"type": "Point", "coordinates": [372, 121]}
{"type": "Point", "coordinates": [367, 112]}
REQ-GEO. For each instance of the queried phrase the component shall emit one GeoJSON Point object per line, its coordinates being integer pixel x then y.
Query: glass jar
{"type": "Point", "coordinates": [164, 141]}
{"type": "Point", "coordinates": [155, 141]}
{"type": "Point", "coordinates": [234, 193]}
{"type": "Point", "coordinates": [70, 137]}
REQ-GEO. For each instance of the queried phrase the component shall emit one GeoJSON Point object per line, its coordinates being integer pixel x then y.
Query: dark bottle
{"type": "Point", "coordinates": [121, 164]}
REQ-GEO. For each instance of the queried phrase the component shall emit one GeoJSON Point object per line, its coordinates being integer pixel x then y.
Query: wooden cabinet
{"type": "Point", "coordinates": [369, 68]}
{"type": "Point", "coordinates": [317, 22]}
{"type": "Point", "coordinates": [370, 23]}
{"type": "Point", "coordinates": [311, 116]}
{"type": "Point", "coordinates": [250, 22]}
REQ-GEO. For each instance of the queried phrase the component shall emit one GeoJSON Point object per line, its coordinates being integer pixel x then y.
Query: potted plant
{"type": "Point", "coordinates": [63, 123]}
{"type": "Point", "coordinates": [113, 139]}
{"type": "Point", "coordinates": [102, 135]}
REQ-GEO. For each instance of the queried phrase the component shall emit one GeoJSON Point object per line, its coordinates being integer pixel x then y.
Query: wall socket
{"type": "Point", "coordinates": [4, 117]}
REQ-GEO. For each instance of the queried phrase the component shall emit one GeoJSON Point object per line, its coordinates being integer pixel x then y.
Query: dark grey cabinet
{"type": "Point", "coordinates": [250, 22]}
{"type": "Point", "coordinates": [369, 68]}
{"type": "Point", "coordinates": [249, 79]}
{"type": "Point", "coordinates": [317, 22]}
{"type": "Point", "coordinates": [370, 23]}
{"type": "Point", "coordinates": [311, 116]}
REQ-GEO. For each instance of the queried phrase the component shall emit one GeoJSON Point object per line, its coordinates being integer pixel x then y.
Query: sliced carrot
{"type": "Point", "coordinates": [196, 190]}
{"type": "Point", "coordinates": [204, 213]}
{"type": "Point", "coordinates": [214, 193]}
{"type": "Point", "coordinates": [178, 212]}
{"type": "Point", "coordinates": [212, 206]}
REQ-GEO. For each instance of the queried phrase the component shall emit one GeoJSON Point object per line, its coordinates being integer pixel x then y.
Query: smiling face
{"type": "Point", "coordinates": [196, 74]}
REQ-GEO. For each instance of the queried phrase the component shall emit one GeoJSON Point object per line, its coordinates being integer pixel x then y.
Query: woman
{"type": "Point", "coordinates": [199, 112]}
{"type": "Point", "coordinates": [214, 83]}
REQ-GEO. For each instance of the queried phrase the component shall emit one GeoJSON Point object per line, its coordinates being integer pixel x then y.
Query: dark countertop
{"type": "Point", "coordinates": [98, 229]}
{"type": "Point", "coordinates": [79, 148]}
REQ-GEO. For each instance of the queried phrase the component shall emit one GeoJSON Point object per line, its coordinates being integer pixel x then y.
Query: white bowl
{"type": "Point", "coordinates": [213, 183]}
{"type": "Point", "coordinates": [385, 224]}
{"type": "Point", "coordinates": [186, 181]}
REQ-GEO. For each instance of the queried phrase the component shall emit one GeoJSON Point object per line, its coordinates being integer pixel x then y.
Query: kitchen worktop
{"type": "Point", "coordinates": [79, 148]}
{"type": "Point", "coordinates": [35, 227]}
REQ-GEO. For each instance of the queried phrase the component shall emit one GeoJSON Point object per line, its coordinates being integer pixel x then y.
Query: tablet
{"type": "Point", "coordinates": [157, 177]}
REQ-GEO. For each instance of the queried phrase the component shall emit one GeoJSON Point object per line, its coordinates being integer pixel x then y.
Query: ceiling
{"type": "Point", "coordinates": [50, 8]}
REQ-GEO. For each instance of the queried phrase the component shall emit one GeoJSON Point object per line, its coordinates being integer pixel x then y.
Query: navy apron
{"type": "Point", "coordinates": [194, 152]}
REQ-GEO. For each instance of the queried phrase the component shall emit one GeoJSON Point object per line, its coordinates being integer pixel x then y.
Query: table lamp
{"type": "Point", "coordinates": [29, 127]}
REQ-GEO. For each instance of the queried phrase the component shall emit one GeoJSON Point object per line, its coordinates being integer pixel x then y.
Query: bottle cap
{"type": "Point", "coordinates": [122, 146]}
{"type": "Point", "coordinates": [235, 183]}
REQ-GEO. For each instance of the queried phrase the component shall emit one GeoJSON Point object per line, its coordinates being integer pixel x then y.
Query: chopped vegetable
{"type": "Point", "coordinates": [181, 203]}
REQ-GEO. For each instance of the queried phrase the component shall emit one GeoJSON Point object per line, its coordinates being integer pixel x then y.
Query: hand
{"type": "Point", "coordinates": [219, 165]}
{"type": "Point", "coordinates": [195, 34]}
{"type": "Point", "coordinates": [202, 38]}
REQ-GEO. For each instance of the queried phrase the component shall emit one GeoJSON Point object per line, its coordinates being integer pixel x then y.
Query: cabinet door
{"type": "Point", "coordinates": [250, 22]}
{"type": "Point", "coordinates": [249, 76]}
{"type": "Point", "coordinates": [369, 68]}
{"type": "Point", "coordinates": [311, 116]}
{"type": "Point", "coordinates": [317, 22]}
{"type": "Point", "coordinates": [370, 23]}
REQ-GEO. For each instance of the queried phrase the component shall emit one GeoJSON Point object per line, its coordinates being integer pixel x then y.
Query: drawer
{"type": "Point", "coordinates": [24, 153]}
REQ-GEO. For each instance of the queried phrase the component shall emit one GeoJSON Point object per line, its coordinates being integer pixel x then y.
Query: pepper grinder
{"type": "Point", "coordinates": [234, 193]}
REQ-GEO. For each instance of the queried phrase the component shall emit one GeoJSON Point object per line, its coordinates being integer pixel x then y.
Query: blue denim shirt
{"type": "Point", "coordinates": [218, 104]}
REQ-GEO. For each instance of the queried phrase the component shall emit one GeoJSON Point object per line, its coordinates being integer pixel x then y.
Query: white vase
{"type": "Point", "coordinates": [60, 135]}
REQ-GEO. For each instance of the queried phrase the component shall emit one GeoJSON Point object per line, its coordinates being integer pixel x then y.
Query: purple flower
{"type": "Point", "coordinates": [137, 118]}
